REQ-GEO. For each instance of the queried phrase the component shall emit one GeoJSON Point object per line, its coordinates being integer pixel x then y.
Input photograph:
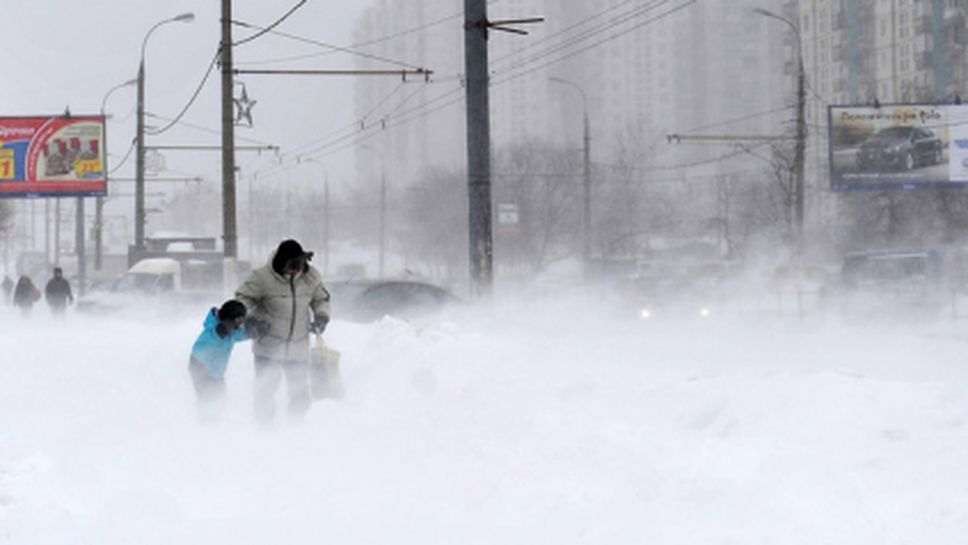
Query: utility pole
{"type": "Point", "coordinates": [801, 146]}
{"type": "Point", "coordinates": [476, 27]}
{"type": "Point", "coordinates": [230, 237]}
{"type": "Point", "coordinates": [587, 195]}
{"type": "Point", "coordinates": [478, 147]}
{"type": "Point", "coordinates": [383, 220]}
{"type": "Point", "coordinates": [139, 161]}
{"type": "Point", "coordinates": [326, 212]}
{"type": "Point", "coordinates": [799, 159]}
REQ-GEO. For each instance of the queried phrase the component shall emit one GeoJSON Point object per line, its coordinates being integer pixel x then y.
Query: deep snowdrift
{"type": "Point", "coordinates": [543, 424]}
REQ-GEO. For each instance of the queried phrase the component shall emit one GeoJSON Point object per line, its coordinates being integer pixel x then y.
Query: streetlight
{"type": "Point", "coordinates": [139, 200]}
{"type": "Point", "coordinates": [801, 138]}
{"type": "Point", "coordinates": [99, 202]}
{"type": "Point", "coordinates": [586, 216]}
{"type": "Point", "coordinates": [383, 207]}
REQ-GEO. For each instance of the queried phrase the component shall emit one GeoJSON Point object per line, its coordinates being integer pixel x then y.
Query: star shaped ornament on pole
{"type": "Point", "coordinates": [243, 105]}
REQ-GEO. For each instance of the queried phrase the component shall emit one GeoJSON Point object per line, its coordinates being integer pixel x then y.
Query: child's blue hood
{"type": "Point", "coordinates": [211, 319]}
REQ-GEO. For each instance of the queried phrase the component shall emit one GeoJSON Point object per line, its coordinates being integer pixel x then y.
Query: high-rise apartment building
{"type": "Point", "coordinates": [862, 51]}
{"type": "Point", "coordinates": [645, 71]}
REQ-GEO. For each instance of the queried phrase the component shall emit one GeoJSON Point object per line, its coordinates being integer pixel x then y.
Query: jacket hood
{"type": "Point", "coordinates": [289, 249]}
{"type": "Point", "coordinates": [211, 319]}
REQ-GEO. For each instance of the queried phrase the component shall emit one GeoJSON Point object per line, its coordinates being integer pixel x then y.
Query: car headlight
{"type": "Point", "coordinates": [896, 149]}
{"type": "Point", "coordinates": [645, 313]}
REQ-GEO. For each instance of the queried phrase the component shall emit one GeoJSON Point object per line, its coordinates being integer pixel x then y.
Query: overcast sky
{"type": "Point", "coordinates": [67, 53]}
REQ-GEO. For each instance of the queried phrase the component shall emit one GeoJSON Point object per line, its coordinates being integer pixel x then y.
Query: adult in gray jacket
{"type": "Point", "coordinates": [288, 297]}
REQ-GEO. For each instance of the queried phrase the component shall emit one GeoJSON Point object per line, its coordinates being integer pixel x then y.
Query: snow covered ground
{"type": "Point", "coordinates": [539, 423]}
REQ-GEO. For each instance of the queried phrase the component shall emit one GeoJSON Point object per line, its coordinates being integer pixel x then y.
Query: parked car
{"type": "Point", "coordinates": [900, 148]}
{"type": "Point", "coordinates": [894, 283]}
{"type": "Point", "coordinates": [370, 300]}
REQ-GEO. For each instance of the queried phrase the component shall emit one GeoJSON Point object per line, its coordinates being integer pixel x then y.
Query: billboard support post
{"type": "Point", "coordinates": [79, 248]}
{"type": "Point", "coordinates": [57, 230]}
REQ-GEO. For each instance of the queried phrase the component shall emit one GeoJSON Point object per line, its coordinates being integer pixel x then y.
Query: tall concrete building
{"type": "Point", "coordinates": [862, 51]}
{"type": "Point", "coordinates": [408, 132]}
{"type": "Point", "coordinates": [644, 71]}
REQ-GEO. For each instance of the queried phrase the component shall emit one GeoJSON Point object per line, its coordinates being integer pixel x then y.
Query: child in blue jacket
{"type": "Point", "coordinates": [210, 354]}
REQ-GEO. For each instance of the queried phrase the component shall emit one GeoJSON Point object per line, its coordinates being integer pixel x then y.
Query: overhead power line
{"type": "Point", "coordinates": [270, 27]}
{"type": "Point", "coordinates": [537, 42]}
{"type": "Point", "coordinates": [203, 129]}
{"type": "Point", "coordinates": [421, 111]}
{"type": "Point", "coordinates": [331, 47]}
{"type": "Point", "coordinates": [583, 35]}
{"type": "Point", "coordinates": [593, 45]}
{"type": "Point", "coordinates": [184, 110]}
{"type": "Point", "coordinates": [124, 159]}
{"type": "Point", "coordinates": [739, 119]}
{"type": "Point", "coordinates": [368, 42]}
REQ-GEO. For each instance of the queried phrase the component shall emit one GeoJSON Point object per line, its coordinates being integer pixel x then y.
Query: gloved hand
{"type": "Point", "coordinates": [319, 324]}
{"type": "Point", "coordinates": [222, 329]}
{"type": "Point", "coordinates": [256, 328]}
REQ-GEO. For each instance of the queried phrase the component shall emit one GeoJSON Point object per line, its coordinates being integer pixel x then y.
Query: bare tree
{"type": "Point", "coordinates": [433, 233]}
{"type": "Point", "coordinates": [541, 180]}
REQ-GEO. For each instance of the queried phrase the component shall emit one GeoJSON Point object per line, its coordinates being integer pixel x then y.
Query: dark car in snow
{"type": "Point", "coordinates": [675, 292]}
{"type": "Point", "coordinates": [371, 300]}
{"type": "Point", "coordinates": [900, 148]}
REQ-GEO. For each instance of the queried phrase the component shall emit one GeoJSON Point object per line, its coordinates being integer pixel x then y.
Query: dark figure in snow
{"type": "Point", "coordinates": [7, 289]}
{"type": "Point", "coordinates": [25, 295]}
{"type": "Point", "coordinates": [223, 327]}
{"type": "Point", "coordinates": [288, 295]}
{"type": "Point", "coordinates": [58, 293]}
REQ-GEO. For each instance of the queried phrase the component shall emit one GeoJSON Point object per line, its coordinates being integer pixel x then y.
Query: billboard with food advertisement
{"type": "Point", "coordinates": [52, 156]}
{"type": "Point", "coordinates": [898, 146]}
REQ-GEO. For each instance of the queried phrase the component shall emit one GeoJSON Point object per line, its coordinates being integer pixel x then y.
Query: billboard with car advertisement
{"type": "Point", "coordinates": [898, 146]}
{"type": "Point", "coordinates": [52, 156]}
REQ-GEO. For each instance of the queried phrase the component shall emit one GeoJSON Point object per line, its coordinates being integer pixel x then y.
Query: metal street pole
{"type": "Point", "coordinates": [586, 215]}
{"type": "Point", "coordinates": [139, 199]}
{"type": "Point", "coordinates": [326, 224]}
{"type": "Point", "coordinates": [79, 246]}
{"type": "Point", "coordinates": [799, 159]}
{"type": "Point", "coordinates": [229, 235]}
{"type": "Point", "coordinates": [99, 202]}
{"type": "Point", "coordinates": [383, 219]}
{"type": "Point", "coordinates": [47, 237]}
{"type": "Point", "coordinates": [478, 147]}
{"type": "Point", "coordinates": [57, 231]}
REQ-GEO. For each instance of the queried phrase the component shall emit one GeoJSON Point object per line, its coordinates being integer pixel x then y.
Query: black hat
{"type": "Point", "coordinates": [231, 310]}
{"type": "Point", "coordinates": [287, 251]}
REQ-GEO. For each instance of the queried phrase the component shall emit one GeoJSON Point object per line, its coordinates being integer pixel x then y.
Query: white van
{"type": "Point", "coordinates": [151, 276]}
{"type": "Point", "coordinates": [155, 279]}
